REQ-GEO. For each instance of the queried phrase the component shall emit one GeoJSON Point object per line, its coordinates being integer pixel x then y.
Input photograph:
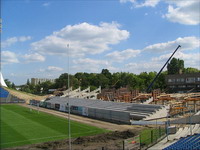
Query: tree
{"type": "Point", "coordinates": [191, 70]}
{"type": "Point", "coordinates": [160, 82]}
{"type": "Point", "coordinates": [8, 83]}
{"type": "Point", "coordinates": [62, 81]}
{"type": "Point", "coordinates": [175, 66]}
{"type": "Point", "coordinates": [103, 81]}
{"type": "Point", "coordinates": [28, 82]}
{"type": "Point", "coordinates": [45, 86]}
{"type": "Point", "coordinates": [106, 73]}
{"type": "Point", "coordinates": [13, 86]}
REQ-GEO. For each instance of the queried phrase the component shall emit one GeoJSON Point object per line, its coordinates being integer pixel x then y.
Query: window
{"type": "Point", "coordinates": [190, 80]}
{"type": "Point", "coordinates": [191, 86]}
{"type": "Point", "coordinates": [181, 86]}
{"type": "Point", "coordinates": [180, 80]}
{"type": "Point", "coordinates": [172, 86]}
{"type": "Point", "coordinates": [171, 80]}
{"type": "Point", "coordinates": [198, 78]}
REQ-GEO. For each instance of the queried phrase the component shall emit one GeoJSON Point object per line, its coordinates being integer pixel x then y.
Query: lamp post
{"type": "Point", "coordinates": [168, 123]}
{"type": "Point", "coordinates": [69, 126]}
{"type": "Point", "coordinates": [190, 122]}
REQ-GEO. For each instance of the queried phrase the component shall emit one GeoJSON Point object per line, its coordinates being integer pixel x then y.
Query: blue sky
{"type": "Point", "coordinates": [120, 35]}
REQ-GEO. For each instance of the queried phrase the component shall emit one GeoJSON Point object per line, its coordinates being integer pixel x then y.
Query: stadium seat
{"type": "Point", "coordinates": [187, 143]}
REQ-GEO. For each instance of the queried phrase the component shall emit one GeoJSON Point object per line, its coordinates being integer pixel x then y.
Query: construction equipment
{"type": "Point", "coordinates": [151, 84]}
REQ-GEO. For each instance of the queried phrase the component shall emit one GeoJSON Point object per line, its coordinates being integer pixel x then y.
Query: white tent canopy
{"type": "Point", "coordinates": [2, 82]}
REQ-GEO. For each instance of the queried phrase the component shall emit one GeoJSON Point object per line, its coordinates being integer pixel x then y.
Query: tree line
{"type": "Point", "coordinates": [105, 79]}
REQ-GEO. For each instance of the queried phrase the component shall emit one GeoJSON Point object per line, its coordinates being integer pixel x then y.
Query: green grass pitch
{"type": "Point", "coordinates": [20, 126]}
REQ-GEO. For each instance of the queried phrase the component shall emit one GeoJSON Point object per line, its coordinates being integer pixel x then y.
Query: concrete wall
{"type": "Point", "coordinates": [109, 115]}
{"type": "Point", "coordinates": [194, 119]}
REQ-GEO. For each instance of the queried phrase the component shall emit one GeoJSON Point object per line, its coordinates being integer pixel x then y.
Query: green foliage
{"type": "Point", "coordinates": [105, 79]}
{"type": "Point", "coordinates": [10, 84]}
{"type": "Point", "coordinates": [20, 126]}
{"type": "Point", "coordinates": [191, 70]}
{"type": "Point", "coordinates": [28, 82]}
{"type": "Point", "coordinates": [175, 66]}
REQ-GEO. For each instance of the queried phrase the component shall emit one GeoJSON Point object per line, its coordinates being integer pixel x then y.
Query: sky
{"type": "Point", "coordinates": [45, 38]}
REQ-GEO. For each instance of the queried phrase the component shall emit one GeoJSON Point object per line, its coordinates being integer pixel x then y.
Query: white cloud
{"type": "Point", "coordinates": [187, 43]}
{"type": "Point", "coordinates": [123, 55]}
{"type": "Point", "coordinates": [82, 38]}
{"type": "Point", "coordinates": [179, 11]}
{"type": "Point", "coordinates": [90, 65]}
{"type": "Point", "coordinates": [190, 59]}
{"type": "Point", "coordinates": [13, 40]}
{"type": "Point", "coordinates": [33, 58]}
{"type": "Point", "coordinates": [51, 69]}
{"type": "Point", "coordinates": [46, 4]}
{"type": "Point", "coordinates": [8, 57]}
{"type": "Point", "coordinates": [138, 3]}
{"type": "Point", "coordinates": [142, 67]}
{"type": "Point", "coordinates": [24, 38]}
{"type": "Point", "coordinates": [148, 3]}
{"type": "Point", "coordinates": [184, 12]}
{"type": "Point", "coordinates": [124, 1]}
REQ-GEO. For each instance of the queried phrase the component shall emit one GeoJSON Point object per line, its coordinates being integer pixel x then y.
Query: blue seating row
{"type": "Point", "coordinates": [187, 143]}
{"type": "Point", "coordinates": [3, 93]}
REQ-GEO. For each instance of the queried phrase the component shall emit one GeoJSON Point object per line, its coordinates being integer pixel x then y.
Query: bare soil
{"type": "Point", "coordinates": [106, 141]}
{"type": "Point", "coordinates": [26, 96]}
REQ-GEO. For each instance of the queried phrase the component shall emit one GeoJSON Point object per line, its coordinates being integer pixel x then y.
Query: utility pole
{"type": "Point", "coordinates": [69, 126]}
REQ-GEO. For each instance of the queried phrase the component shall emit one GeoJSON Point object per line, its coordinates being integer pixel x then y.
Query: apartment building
{"type": "Point", "coordinates": [183, 83]}
{"type": "Point", "coordinates": [36, 81]}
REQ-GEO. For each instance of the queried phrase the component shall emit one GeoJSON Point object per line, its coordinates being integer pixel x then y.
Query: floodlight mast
{"type": "Point", "coordinates": [69, 126]}
{"type": "Point", "coordinates": [151, 84]}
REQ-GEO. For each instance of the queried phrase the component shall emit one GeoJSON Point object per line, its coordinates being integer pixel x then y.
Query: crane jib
{"type": "Point", "coordinates": [151, 84]}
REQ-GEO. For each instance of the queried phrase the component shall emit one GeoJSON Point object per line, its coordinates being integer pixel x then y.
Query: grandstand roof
{"type": "Point", "coordinates": [2, 82]}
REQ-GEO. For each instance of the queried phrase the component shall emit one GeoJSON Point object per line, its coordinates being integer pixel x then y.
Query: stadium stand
{"type": "Point", "coordinates": [77, 93]}
{"type": "Point", "coordinates": [187, 143]}
{"type": "Point", "coordinates": [148, 101]}
{"type": "Point", "coordinates": [181, 134]}
{"type": "Point", "coordinates": [105, 109]}
{"type": "Point", "coordinates": [196, 129]}
{"type": "Point", "coordinates": [4, 93]}
{"type": "Point", "coordinates": [6, 97]}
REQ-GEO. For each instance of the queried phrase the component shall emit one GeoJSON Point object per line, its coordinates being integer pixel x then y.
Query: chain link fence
{"type": "Point", "coordinates": [151, 136]}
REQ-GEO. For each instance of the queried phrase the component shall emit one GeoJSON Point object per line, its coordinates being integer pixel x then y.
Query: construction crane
{"type": "Point", "coordinates": [151, 84]}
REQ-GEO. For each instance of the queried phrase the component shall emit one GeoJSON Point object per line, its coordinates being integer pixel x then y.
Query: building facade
{"type": "Point", "coordinates": [183, 83]}
{"type": "Point", "coordinates": [36, 81]}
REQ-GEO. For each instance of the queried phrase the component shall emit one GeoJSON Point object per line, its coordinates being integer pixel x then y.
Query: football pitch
{"type": "Point", "coordinates": [20, 126]}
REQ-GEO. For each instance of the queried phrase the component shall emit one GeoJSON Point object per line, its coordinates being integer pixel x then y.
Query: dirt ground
{"type": "Point", "coordinates": [25, 96]}
{"type": "Point", "coordinates": [106, 141]}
